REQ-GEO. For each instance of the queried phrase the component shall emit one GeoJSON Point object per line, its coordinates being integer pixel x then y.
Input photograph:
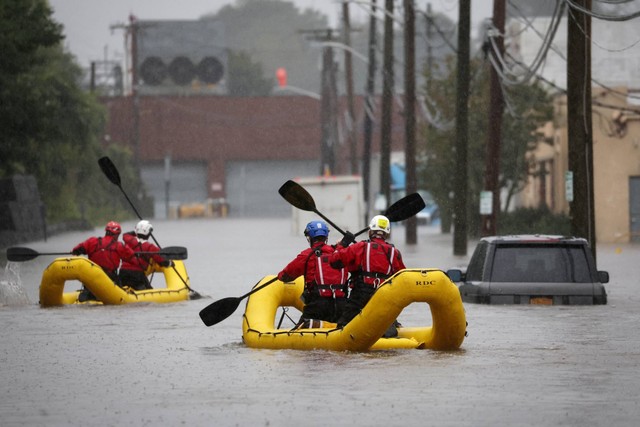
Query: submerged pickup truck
{"type": "Point", "coordinates": [532, 269]}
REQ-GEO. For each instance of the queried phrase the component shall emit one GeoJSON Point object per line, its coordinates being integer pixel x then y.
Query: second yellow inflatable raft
{"type": "Point", "coordinates": [431, 286]}
{"type": "Point", "coordinates": [95, 279]}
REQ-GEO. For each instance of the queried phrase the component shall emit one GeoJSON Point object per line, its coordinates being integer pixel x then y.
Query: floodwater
{"type": "Point", "coordinates": [149, 365]}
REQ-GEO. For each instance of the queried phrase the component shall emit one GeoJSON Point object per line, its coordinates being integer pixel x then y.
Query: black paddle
{"type": "Point", "coordinates": [296, 195]}
{"type": "Point", "coordinates": [218, 311]}
{"type": "Point", "coordinates": [403, 209]}
{"type": "Point", "coordinates": [110, 170]}
{"type": "Point", "coordinates": [19, 254]}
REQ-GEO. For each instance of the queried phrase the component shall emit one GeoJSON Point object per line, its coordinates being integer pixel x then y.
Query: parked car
{"type": "Point", "coordinates": [431, 211]}
{"type": "Point", "coordinates": [429, 214]}
{"type": "Point", "coordinates": [532, 269]}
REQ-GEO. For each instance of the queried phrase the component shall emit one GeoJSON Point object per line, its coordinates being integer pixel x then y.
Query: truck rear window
{"type": "Point", "coordinates": [540, 263]}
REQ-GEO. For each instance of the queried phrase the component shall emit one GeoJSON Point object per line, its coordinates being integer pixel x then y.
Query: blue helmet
{"type": "Point", "coordinates": [315, 229]}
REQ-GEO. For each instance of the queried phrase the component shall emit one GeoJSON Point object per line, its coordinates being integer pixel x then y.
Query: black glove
{"type": "Point", "coordinates": [78, 251]}
{"type": "Point", "coordinates": [348, 239]}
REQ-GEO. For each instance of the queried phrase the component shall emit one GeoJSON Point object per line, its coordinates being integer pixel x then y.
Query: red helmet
{"type": "Point", "coordinates": [113, 228]}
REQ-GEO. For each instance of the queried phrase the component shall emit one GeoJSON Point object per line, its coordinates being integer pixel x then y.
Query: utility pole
{"type": "Point", "coordinates": [329, 119]}
{"type": "Point", "coordinates": [369, 109]}
{"type": "Point", "coordinates": [494, 136]}
{"type": "Point", "coordinates": [429, 27]}
{"type": "Point", "coordinates": [131, 32]}
{"type": "Point", "coordinates": [462, 130]}
{"type": "Point", "coordinates": [579, 123]}
{"type": "Point", "coordinates": [329, 102]}
{"type": "Point", "coordinates": [348, 69]}
{"type": "Point", "coordinates": [387, 104]}
{"type": "Point", "coordinates": [411, 228]}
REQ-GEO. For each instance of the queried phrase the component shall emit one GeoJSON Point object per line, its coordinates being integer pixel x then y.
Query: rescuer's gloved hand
{"type": "Point", "coordinates": [348, 239]}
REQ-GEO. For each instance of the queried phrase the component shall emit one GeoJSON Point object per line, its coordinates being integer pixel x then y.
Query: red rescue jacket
{"type": "Point", "coordinates": [370, 261]}
{"type": "Point", "coordinates": [105, 251]}
{"type": "Point", "coordinates": [140, 262]}
{"type": "Point", "coordinates": [313, 264]}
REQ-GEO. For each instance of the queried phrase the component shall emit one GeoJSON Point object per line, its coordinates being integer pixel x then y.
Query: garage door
{"type": "Point", "coordinates": [187, 184]}
{"type": "Point", "coordinates": [252, 187]}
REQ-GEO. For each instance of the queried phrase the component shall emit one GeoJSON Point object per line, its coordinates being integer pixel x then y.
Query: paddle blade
{"type": "Point", "coordinates": [25, 254]}
{"type": "Point", "coordinates": [405, 208]}
{"type": "Point", "coordinates": [21, 254]}
{"type": "Point", "coordinates": [173, 252]}
{"type": "Point", "coordinates": [218, 311]}
{"type": "Point", "coordinates": [109, 169]}
{"type": "Point", "coordinates": [297, 196]}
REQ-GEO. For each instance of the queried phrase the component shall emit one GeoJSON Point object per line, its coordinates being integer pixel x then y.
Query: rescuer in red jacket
{"type": "Point", "coordinates": [370, 262]}
{"type": "Point", "coordinates": [105, 251]}
{"type": "Point", "coordinates": [324, 286]}
{"type": "Point", "coordinates": [133, 271]}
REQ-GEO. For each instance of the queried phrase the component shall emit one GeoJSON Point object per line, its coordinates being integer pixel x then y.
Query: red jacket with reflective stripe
{"type": "Point", "coordinates": [140, 262]}
{"type": "Point", "coordinates": [369, 256]}
{"type": "Point", "coordinates": [316, 269]}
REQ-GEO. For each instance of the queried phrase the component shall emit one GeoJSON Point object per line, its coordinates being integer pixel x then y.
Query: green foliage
{"type": "Point", "coordinates": [529, 108]}
{"type": "Point", "coordinates": [246, 77]}
{"type": "Point", "coordinates": [49, 127]}
{"type": "Point", "coordinates": [26, 30]}
{"type": "Point", "coordinates": [534, 221]}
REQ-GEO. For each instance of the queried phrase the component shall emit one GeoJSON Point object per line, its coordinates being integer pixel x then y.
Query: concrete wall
{"type": "Point", "coordinates": [21, 210]}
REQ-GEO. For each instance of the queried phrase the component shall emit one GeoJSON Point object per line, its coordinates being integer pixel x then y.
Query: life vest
{"type": "Point", "coordinates": [141, 261]}
{"type": "Point", "coordinates": [377, 263]}
{"type": "Point", "coordinates": [106, 255]}
{"type": "Point", "coordinates": [328, 281]}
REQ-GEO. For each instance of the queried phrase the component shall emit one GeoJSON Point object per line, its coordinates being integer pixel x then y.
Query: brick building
{"type": "Point", "coordinates": [239, 149]}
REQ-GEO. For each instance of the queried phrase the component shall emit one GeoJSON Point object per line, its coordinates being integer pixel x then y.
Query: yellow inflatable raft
{"type": "Point", "coordinates": [95, 279]}
{"type": "Point", "coordinates": [409, 286]}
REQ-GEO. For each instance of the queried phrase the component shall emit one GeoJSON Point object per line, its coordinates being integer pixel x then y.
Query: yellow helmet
{"type": "Point", "coordinates": [380, 223]}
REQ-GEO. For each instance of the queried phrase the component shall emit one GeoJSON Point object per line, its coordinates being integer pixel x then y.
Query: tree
{"type": "Point", "coordinates": [246, 78]}
{"type": "Point", "coordinates": [268, 32]}
{"type": "Point", "coordinates": [26, 30]}
{"type": "Point", "coordinates": [529, 107]}
{"type": "Point", "coordinates": [49, 127]}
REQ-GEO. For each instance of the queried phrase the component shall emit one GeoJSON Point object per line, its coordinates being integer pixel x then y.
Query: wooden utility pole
{"type": "Point", "coordinates": [328, 100]}
{"type": "Point", "coordinates": [329, 120]}
{"type": "Point", "coordinates": [494, 136]}
{"type": "Point", "coordinates": [348, 69]}
{"type": "Point", "coordinates": [369, 109]}
{"type": "Point", "coordinates": [411, 184]}
{"type": "Point", "coordinates": [462, 130]}
{"type": "Point", "coordinates": [135, 93]}
{"type": "Point", "coordinates": [429, 26]}
{"type": "Point", "coordinates": [387, 104]}
{"type": "Point", "coordinates": [579, 123]}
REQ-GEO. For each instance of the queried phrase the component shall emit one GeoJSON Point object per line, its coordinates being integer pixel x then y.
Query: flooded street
{"type": "Point", "coordinates": [137, 365]}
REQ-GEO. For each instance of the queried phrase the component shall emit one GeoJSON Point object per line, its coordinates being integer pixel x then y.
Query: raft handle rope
{"type": "Point", "coordinates": [284, 313]}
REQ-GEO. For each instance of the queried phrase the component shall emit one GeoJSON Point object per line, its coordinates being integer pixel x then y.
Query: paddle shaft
{"type": "Point", "coordinates": [113, 175]}
{"type": "Point", "coordinates": [254, 290]}
{"type": "Point", "coordinates": [338, 229]}
{"type": "Point", "coordinates": [19, 254]}
{"type": "Point", "coordinates": [217, 311]}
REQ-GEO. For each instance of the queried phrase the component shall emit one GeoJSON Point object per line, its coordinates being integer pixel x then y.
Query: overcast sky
{"type": "Point", "coordinates": [87, 23]}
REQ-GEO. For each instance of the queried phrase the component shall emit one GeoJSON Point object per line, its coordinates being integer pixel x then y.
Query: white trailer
{"type": "Point", "coordinates": [338, 198]}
